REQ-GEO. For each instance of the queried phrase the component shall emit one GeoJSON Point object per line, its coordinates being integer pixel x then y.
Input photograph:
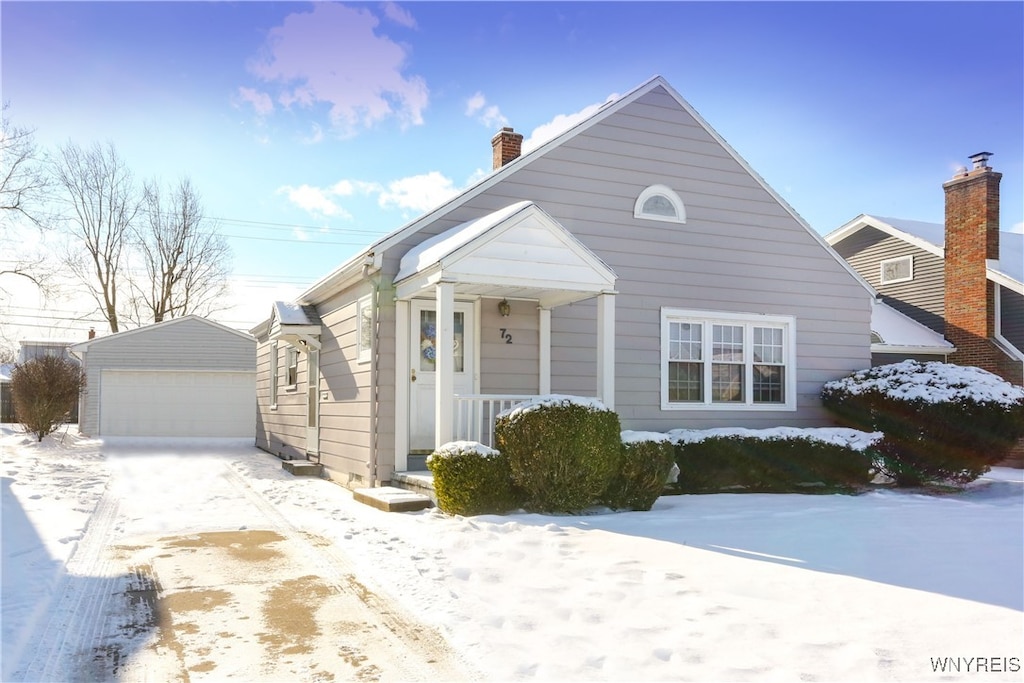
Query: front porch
{"type": "Point", "coordinates": [513, 257]}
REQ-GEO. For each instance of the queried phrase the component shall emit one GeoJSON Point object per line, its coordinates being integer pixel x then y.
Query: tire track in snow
{"type": "Point", "coordinates": [419, 650]}
{"type": "Point", "coordinates": [76, 624]}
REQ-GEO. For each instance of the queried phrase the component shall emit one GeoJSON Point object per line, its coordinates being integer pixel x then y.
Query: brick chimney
{"type": "Point", "coordinates": [972, 238]}
{"type": "Point", "coordinates": [92, 333]}
{"type": "Point", "coordinates": [507, 145]}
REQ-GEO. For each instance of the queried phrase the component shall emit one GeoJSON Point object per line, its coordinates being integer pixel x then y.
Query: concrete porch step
{"type": "Point", "coordinates": [302, 468]}
{"type": "Point", "coordinates": [392, 499]}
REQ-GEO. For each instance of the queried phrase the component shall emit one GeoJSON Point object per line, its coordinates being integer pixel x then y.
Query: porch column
{"type": "Point", "coordinates": [606, 348]}
{"type": "Point", "coordinates": [444, 365]}
{"type": "Point", "coordinates": [544, 381]}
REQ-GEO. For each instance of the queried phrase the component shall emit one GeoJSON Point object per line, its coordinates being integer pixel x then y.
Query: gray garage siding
{"type": "Point", "coordinates": [181, 344]}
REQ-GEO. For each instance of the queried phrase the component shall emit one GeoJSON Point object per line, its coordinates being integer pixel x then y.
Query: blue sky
{"type": "Point", "coordinates": [311, 129]}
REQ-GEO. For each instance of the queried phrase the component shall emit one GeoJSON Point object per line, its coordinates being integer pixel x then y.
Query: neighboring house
{"type": "Point", "coordinates": [963, 280]}
{"type": "Point", "coordinates": [6, 399]}
{"type": "Point", "coordinates": [184, 377]}
{"type": "Point", "coordinates": [635, 257]}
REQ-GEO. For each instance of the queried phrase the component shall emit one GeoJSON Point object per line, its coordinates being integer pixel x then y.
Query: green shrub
{"type": "Point", "coordinates": [472, 479]}
{"type": "Point", "coordinates": [942, 422]}
{"type": "Point", "coordinates": [563, 451]}
{"type": "Point", "coordinates": [779, 460]}
{"type": "Point", "coordinates": [644, 467]}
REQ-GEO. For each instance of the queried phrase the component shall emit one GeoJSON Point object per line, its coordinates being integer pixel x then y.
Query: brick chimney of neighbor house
{"type": "Point", "coordinates": [507, 146]}
{"type": "Point", "coordinates": [972, 238]}
{"type": "Point", "coordinates": [92, 333]}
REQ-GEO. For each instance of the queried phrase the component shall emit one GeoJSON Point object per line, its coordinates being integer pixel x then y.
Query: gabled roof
{"type": "Point", "coordinates": [519, 251]}
{"type": "Point", "coordinates": [352, 269]}
{"type": "Point", "coordinates": [902, 334]}
{"type": "Point", "coordinates": [931, 237]}
{"type": "Point", "coordinates": [82, 347]}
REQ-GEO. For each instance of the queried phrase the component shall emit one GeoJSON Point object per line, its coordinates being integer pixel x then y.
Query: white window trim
{"type": "Point", "coordinates": [363, 355]}
{"type": "Point", "coordinates": [749, 321]}
{"type": "Point", "coordinates": [291, 353]}
{"type": "Point", "coordinates": [668, 194]}
{"type": "Point", "coordinates": [881, 270]}
{"type": "Point", "coordinates": [273, 375]}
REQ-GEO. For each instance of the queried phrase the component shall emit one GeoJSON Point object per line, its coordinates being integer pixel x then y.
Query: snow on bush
{"type": "Point", "coordinates": [933, 382]}
{"type": "Point", "coordinates": [837, 436]}
{"type": "Point", "coordinates": [942, 422]}
{"type": "Point", "coordinates": [472, 479]}
{"type": "Point", "coordinates": [552, 400]}
{"type": "Point", "coordinates": [456, 448]}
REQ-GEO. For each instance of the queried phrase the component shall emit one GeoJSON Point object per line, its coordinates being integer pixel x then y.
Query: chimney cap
{"type": "Point", "coordinates": [980, 160]}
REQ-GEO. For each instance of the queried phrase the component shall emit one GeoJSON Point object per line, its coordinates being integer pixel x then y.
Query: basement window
{"type": "Point", "coordinates": [895, 270]}
{"type": "Point", "coordinates": [659, 203]}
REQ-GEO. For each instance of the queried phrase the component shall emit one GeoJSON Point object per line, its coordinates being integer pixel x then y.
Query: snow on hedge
{"type": "Point", "coordinates": [455, 448]}
{"type": "Point", "coordinates": [838, 436]}
{"type": "Point", "coordinates": [933, 382]}
{"type": "Point", "coordinates": [630, 436]}
{"type": "Point", "coordinates": [552, 400]}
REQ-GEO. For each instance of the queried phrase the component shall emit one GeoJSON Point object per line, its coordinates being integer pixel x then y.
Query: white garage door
{"type": "Point", "coordinates": [177, 403]}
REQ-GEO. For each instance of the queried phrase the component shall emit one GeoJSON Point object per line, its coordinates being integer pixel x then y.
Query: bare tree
{"type": "Point", "coordinates": [185, 261]}
{"type": "Point", "coordinates": [45, 390]}
{"type": "Point", "coordinates": [104, 203]}
{"type": "Point", "coordinates": [23, 182]}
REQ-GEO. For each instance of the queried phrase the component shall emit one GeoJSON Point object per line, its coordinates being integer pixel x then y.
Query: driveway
{"type": "Point", "coordinates": [159, 588]}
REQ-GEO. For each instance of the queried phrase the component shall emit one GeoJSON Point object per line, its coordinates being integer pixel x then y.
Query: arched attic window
{"type": "Point", "coordinates": [660, 203]}
{"type": "Point", "coordinates": [876, 338]}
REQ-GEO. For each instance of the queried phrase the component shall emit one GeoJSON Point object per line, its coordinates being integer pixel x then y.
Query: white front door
{"type": "Point", "coordinates": [423, 346]}
{"type": "Point", "coordinates": [312, 402]}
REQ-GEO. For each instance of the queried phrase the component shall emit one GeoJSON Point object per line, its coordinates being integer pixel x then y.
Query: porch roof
{"type": "Point", "coordinates": [518, 252]}
{"type": "Point", "coordinates": [296, 325]}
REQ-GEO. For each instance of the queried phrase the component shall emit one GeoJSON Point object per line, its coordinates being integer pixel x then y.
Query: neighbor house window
{"type": "Point", "coordinates": [365, 324]}
{"type": "Point", "coordinates": [660, 203]}
{"type": "Point", "coordinates": [291, 367]}
{"type": "Point", "coordinates": [727, 360]}
{"type": "Point", "coordinates": [273, 374]}
{"type": "Point", "coordinates": [897, 270]}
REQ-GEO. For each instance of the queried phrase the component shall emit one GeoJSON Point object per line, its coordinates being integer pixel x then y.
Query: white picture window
{"type": "Point", "coordinates": [660, 203]}
{"type": "Point", "coordinates": [291, 367]}
{"type": "Point", "coordinates": [897, 270]}
{"type": "Point", "coordinates": [364, 315]}
{"type": "Point", "coordinates": [273, 374]}
{"type": "Point", "coordinates": [727, 361]}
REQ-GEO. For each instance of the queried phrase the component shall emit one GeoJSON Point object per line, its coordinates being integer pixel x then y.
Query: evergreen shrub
{"type": "Point", "coordinates": [644, 468]}
{"type": "Point", "coordinates": [472, 479]}
{"type": "Point", "coordinates": [563, 450]}
{"type": "Point", "coordinates": [942, 422]}
{"type": "Point", "coordinates": [779, 460]}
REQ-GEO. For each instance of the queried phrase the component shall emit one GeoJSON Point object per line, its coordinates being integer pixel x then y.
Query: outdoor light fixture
{"type": "Point", "coordinates": [504, 307]}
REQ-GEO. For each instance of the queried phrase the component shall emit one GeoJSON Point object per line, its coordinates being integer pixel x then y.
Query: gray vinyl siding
{"type": "Point", "coordinates": [921, 298]}
{"type": "Point", "coordinates": [739, 251]}
{"type": "Point", "coordinates": [1012, 317]}
{"type": "Point", "coordinates": [280, 423]}
{"type": "Point", "coordinates": [178, 345]}
{"type": "Point", "coordinates": [509, 364]}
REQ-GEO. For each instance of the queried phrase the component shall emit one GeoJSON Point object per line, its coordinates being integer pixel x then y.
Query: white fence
{"type": "Point", "coordinates": [475, 413]}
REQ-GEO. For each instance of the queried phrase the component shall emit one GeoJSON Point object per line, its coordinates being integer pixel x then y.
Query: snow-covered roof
{"type": "Point", "coordinates": [932, 238]}
{"type": "Point", "coordinates": [432, 250]}
{"type": "Point", "coordinates": [899, 330]}
{"type": "Point", "coordinates": [288, 313]}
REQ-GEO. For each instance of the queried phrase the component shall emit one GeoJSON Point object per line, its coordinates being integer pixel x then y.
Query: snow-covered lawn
{"type": "Point", "coordinates": [882, 586]}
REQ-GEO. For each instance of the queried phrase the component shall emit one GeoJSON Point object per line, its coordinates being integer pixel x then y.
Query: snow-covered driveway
{"type": "Point", "coordinates": [184, 570]}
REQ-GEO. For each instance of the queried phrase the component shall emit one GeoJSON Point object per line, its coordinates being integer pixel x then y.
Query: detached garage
{"type": "Point", "coordinates": [185, 377]}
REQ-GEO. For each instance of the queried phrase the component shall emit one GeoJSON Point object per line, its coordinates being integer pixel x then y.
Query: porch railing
{"type": "Point", "coordinates": [475, 413]}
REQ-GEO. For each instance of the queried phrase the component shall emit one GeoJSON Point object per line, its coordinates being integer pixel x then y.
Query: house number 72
{"type": "Point", "coordinates": [506, 335]}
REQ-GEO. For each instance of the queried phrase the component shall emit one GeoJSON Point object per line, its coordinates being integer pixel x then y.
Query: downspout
{"type": "Point", "coordinates": [368, 269]}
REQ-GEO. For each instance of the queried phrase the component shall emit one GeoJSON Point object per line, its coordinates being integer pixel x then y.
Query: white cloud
{"type": "Point", "coordinates": [419, 192]}
{"type": "Point", "coordinates": [490, 116]}
{"type": "Point", "coordinates": [316, 135]}
{"type": "Point", "coordinates": [260, 101]}
{"type": "Point", "coordinates": [332, 55]}
{"type": "Point", "coordinates": [1018, 228]}
{"type": "Point", "coordinates": [398, 15]}
{"type": "Point", "coordinates": [314, 200]}
{"type": "Point", "coordinates": [560, 124]}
